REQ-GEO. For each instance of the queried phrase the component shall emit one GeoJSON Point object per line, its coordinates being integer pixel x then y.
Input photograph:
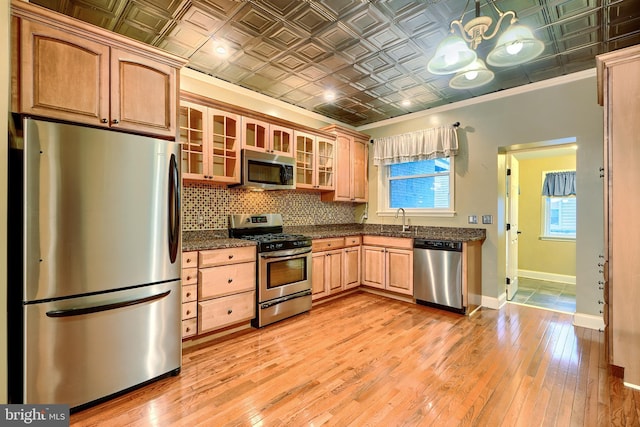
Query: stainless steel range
{"type": "Point", "coordinates": [284, 270]}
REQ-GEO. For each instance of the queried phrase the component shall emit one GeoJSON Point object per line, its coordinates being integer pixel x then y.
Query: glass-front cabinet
{"type": "Point", "coordinates": [210, 144]}
{"type": "Point", "coordinates": [315, 161]}
{"type": "Point", "coordinates": [266, 137]}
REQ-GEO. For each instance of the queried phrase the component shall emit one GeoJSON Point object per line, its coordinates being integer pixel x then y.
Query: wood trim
{"type": "Point", "coordinates": [74, 26]}
{"type": "Point", "coordinates": [609, 59]}
{"type": "Point", "coordinates": [245, 112]}
{"type": "Point", "coordinates": [15, 64]}
{"type": "Point", "coordinates": [350, 132]}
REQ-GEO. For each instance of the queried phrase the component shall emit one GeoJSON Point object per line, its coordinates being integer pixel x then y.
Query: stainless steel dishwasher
{"type": "Point", "coordinates": [437, 274]}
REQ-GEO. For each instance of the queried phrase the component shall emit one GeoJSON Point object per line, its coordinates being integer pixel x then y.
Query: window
{"type": "Point", "coordinates": [424, 186]}
{"type": "Point", "coordinates": [559, 217]}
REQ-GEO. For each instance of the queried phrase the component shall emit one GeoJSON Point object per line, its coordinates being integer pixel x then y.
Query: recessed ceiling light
{"type": "Point", "coordinates": [329, 96]}
{"type": "Point", "coordinates": [406, 103]}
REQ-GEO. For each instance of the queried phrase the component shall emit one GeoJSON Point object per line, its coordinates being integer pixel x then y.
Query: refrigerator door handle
{"type": "Point", "coordinates": [104, 307]}
{"type": "Point", "coordinates": [174, 208]}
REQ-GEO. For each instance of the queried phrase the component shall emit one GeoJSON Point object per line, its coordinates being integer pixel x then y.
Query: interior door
{"type": "Point", "coordinates": [513, 189]}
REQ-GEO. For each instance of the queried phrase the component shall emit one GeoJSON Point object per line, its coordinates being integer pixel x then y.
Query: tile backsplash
{"type": "Point", "coordinates": [207, 207]}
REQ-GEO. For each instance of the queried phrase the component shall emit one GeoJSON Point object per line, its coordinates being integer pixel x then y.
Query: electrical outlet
{"type": "Point", "coordinates": [487, 219]}
{"type": "Point", "coordinates": [473, 219]}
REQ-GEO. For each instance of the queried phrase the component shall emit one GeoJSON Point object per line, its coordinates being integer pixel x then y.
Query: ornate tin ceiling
{"type": "Point", "coordinates": [371, 54]}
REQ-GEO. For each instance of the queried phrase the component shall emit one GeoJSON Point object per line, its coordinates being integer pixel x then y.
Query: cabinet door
{"type": "Point", "coordinates": [223, 147]}
{"type": "Point", "coordinates": [373, 266]}
{"type": "Point", "coordinates": [63, 76]}
{"type": "Point", "coordinates": [305, 158]}
{"type": "Point", "coordinates": [193, 129]}
{"type": "Point", "coordinates": [325, 163]}
{"type": "Point", "coordinates": [318, 288]}
{"type": "Point", "coordinates": [143, 94]}
{"type": "Point", "coordinates": [360, 167]}
{"type": "Point", "coordinates": [400, 271]}
{"type": "Point", "coordinates": [333, 270]}
{"type": "Point", "coordinates": [351, 268]}
{"type": "Point", "coordinates": [345, 169]}
{"type": "Point", "coordinates": [255, 135]}
{"type": "Point", "coordinates": [281, 140]}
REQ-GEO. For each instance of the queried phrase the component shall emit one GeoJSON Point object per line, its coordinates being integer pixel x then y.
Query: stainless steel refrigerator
{"type": "Point", "coordinates": [94, 262]}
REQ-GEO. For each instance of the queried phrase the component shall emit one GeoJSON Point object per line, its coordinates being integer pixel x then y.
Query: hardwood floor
{"type": "Point", "coordinates": [368, 360]}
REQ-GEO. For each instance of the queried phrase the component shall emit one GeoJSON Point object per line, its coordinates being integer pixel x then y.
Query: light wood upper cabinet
{"type": "Point", "coordinates": [315, 161]}
{"type": "Point", "coordinates": [74, 71]}
{"type": "Point", "coordinates": [210, 144]}
{"type": "Point", "coordinates": [262, 136]}
{"type": "Point", "coordinates": [352, 160]}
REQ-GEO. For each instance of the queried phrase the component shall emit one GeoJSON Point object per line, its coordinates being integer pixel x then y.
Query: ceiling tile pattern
{"type": "Point", "coordinates": [371, 54]}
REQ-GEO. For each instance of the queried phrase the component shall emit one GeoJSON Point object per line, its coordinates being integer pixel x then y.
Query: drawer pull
{"type": "Point", "coordinates": [188, 312]}
{"type": "Point", "coordinates": [229, 280]}
{"type": "Point", "coordinates": [230, 256]}
{"type": "Point", "coordinates": [188, 329]}
{"type": "Point", "coordinates": [188, 277]}
{"type": "Point", "coordinates": [229, 311]}
{"type": "Point", "coordinates": [188, 260]}
{"type": "Point", "coordinates": [188, 294]}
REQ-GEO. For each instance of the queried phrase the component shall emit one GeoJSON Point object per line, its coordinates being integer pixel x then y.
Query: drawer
{"type": "Point", "coordinates": [228, 279]}
{"type": "Point", "coordinates": [221, 312]}
{"type": "Point", "coordinates": [352, 240]}
{"type": "Point", "coordinates": [189, 327]}
{"type": "Point", "coordinates": [189, 276]}
{"type": "Point", "coordinates": [226, 256]}
{"type": "Point", "coordinates": [389, 242]}
{"type": "Point", "coordinates": [189, 293]}
{"type": "Point", "coordinates": [320, 245]}
{"type": "Point", "coordinates": [189, 310]}
{"type": "Point", "coordinates": [189, 259]}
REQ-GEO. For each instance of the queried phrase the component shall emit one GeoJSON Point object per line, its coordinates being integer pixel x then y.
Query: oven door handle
{"type": "Point", "coordinates": [285, 253]}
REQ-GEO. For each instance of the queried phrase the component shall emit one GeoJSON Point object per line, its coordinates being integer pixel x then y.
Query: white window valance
{"type": "Point", "coordinates": [424, 144]}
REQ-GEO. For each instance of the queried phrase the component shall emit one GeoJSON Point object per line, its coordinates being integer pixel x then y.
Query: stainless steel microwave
{"type": "Point", "coordinates": [267, 171]}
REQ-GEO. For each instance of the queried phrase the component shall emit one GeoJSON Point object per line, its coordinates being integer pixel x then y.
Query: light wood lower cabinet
{"type": "Point", "coordinates": [189, 293]}
{"type": "Point", "coordinates": [336, 265]}
{"type": "Point", "coordinates": [226, 287]}
{"type": "Point", "coordinates": [387, 263]}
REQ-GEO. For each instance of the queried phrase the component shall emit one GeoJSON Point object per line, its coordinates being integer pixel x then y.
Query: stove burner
{"type": "Point", "coordinates": [279, 241]}
{"type": "Point", "coordinates": [267, 231]}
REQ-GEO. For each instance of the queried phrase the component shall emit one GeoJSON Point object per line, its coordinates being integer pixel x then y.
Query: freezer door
{"type": "Point", "coordinates": [102, 210]}
{"type": "Point", "coordinates": [82, 349]}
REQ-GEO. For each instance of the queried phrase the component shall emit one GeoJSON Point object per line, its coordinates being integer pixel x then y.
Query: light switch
{"type": "Point", "coordinates": [487, 219]}
{"type": "Point", "coordinates": [473, 219]}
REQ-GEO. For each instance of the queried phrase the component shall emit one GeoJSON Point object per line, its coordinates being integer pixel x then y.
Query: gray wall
{"type": "Point", "coordinates": [561, 108]}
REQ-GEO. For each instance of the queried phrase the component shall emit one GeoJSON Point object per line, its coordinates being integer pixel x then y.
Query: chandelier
{"type": "Point", "coordinates": [456, 53]}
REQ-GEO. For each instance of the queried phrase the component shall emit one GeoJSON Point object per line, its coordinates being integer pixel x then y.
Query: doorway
{"type": "Point", "coordinates": [540, 266]}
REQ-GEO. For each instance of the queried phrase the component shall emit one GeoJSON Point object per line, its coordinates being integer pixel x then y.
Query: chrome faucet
{"type": "Point", "coordinates": [404, 227]}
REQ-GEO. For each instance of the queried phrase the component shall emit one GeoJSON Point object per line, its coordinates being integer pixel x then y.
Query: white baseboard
{"type": "Point", "coordinates": [549, 277]}
{"type": "Point", "coordinates": [633, 386]}
{"type": "Point", "coordinates": [494, 303]}
{"type": "Point", "coordinates": [588, 321]}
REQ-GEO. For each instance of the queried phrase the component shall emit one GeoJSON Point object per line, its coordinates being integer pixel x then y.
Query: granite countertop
{"type": "Point", "coordinates": [218, 239]}
{"type": "Point", "coordinates": [211, 239]}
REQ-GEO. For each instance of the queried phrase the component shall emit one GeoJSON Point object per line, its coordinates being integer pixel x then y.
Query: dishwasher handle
{"type": "Point", "coordinates": [440, 245]}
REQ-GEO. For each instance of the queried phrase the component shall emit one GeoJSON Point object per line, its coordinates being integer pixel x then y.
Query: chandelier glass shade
{"type": "Point", "coordinates": [474, 75]}
{"type": "Point", "coordinates": [456, 53]}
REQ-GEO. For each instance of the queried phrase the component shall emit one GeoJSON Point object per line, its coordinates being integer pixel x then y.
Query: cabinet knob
{"type": "Point", "coordinates": [230, 256]}
{"type": "Point", "coordinates": [600, 302]}
{"type": "Point", "coordinates": [229, 311]}
{"type": "Point", "coordinates": [104, 121]}
{"type": "Point", "coordinates": [115, 121]}
{"type": "Point", "coordinates": [229, 280]}
{"type": "Point", "coordinates": [188, 260]}
{"type": "Point", "coordinates": [188, 294]}
{"type": "Point", "coordinates": [188, 312]}
{"type": "Point", "coordinates": [188, 329]}
{"type": "Point", "coordinates": [188, 277]}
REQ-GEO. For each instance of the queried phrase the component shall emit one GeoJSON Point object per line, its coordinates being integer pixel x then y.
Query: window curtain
{"type": "Point", "coordinates": [420, 145]}
{"type": "Point", "coordinates": [559, 184]}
